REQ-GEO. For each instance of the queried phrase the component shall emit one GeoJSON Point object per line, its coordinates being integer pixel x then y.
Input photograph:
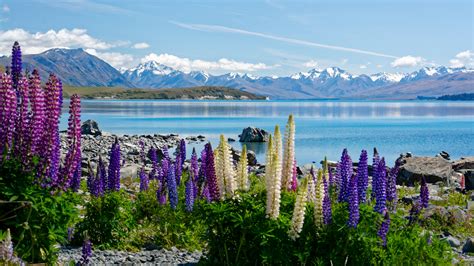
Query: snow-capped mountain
{"type": "Point", "coordinates": [330, 82]}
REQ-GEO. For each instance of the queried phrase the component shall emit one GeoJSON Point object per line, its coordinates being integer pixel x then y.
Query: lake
{"type": "Point", "coordinates": [323, 128]}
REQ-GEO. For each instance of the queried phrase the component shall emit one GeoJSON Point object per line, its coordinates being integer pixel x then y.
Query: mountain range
{"type": "Point", "coordinates": [78, 68]}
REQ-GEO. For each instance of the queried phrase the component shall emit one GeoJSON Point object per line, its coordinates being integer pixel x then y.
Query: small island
{"type": "Point", "coordinates": [191, 93]}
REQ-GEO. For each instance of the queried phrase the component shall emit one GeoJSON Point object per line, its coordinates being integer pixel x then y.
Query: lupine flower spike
{"type": "Point", "coordinates": [362, 177]}
{"type": "Point", "coordinates": [242, 171]}
{"type": "Point", "coordinates": [189, 198]}
{"type": "Point", "coordinates": [319, 199]}
{"type": "Point", "coordinates": [225, 169]}
{"type": "Point", "coordinates": [211, 179]}
{"type": "Point", "coordinates": [114, 167]}
{"type": "Point", "coordinates": [297, 220]}
{"type": "Point", "coordinates": [288, 153]}
{"type": "Point", "coordinates": [384, 227]}
{"type": "Point", "coordinates": [424, 193]}
{"type": "Point", "coordinates": [86, 252]}
{"type": "Point", "coordinates": [380, 187]}
{"type": "Point", "coordinates": [353, 202]}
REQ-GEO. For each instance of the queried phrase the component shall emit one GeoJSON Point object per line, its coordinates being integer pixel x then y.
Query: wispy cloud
{"type": "Point", "coordinates": [90, 5]}
{"type": "Point", "coordinates": [219, 28]}
{"type": "Point", "coordinates": [5, 8]}
{"type": "Point", "coordinates": [141, 45]}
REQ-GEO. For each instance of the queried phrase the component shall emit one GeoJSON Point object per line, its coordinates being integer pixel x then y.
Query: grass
{"type": "Point", "coordinates": [203, 92]}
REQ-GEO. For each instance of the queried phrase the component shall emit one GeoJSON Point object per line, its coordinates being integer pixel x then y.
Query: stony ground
{"type": "Point", "coordinates": [145, 257]}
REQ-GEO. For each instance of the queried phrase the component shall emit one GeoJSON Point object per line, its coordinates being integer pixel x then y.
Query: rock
{"type": "Point", "coordinates": [252, 134]}
{"type": "Point", "coordinates": [468, 245]}
{"type": "Point", "coordinates": [434, 169]}
{"type": "Point", "coordinates": [251, 157]}
{"type": "Point", "coordinates": [453, 242]}
{"type": "Point", "coordinates": [468, 178]}
{"type": "Point", "coordinates": [230, 140]}
{"type": "Point", "coordinates": [129, 170]}
{"type": "Point", "coordinates": [435, 212]}
{"type": "Point", "coordinates": [456, 215]}
{"type": "Point", "coordinates": [444, 155]}
{"type": "Point", "coordinates": [463, 163]}
{"type": "Point", "coordinates": [90, 127]}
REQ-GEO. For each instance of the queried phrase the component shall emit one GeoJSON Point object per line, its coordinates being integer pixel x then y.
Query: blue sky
{"type": "Point", "coordinates": [259, 37]}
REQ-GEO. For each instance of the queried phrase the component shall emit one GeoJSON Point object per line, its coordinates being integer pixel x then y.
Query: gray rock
{"type": "Point", "coordinates": [444, 155]}
{"type": "Point", "coordinates": [434, 169]}
{"type": "Point", "coordinates": [230, 140]}
{"type": "Point", "coordinates": [252, 134]}
{"type": "Point", "coordinates": [468, 245]}
{"type": "Point", "coordinates": [463, 163]}
{"type": "Point", "coordinates": [251, 157]}
{"type": "Point", "coordinates": [453, 242]}
{"type": "Point", "coordinates": [468, 178]}
{"type": "Point", "coordinates": [456, 215]}
{"type": "Point", "coordinates": [90, 127]}
{"type": "Point", "coordinates": [434, 211]}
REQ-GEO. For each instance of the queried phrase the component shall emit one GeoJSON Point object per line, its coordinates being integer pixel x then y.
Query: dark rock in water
{"type": "Point", "coordinates": [252, 134]}
{"type": "Point", "coordinates": [444, 155]}
{"type": "Point", "coordinates": [90, 127]}
{"type": "Point", "coordinates": [468, 246]}
{"type": "Point", "coordinates": [230, 139]}
{"type": "Point", "coordinates": [468, 178]}
{"type": "Point", "coordinates": [464, 163]}
{"type": "Point", "coordinates": [251, 157]}
{"type": "Point", "coordinates": [434, 169]}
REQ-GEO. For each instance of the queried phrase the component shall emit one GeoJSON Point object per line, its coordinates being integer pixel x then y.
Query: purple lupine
{"type": "Point", "coordinates": [205, 193]}
{"type": "Point", "coordinates": [414, 211]}
{"type": "Point", "coordinates": [143, 180]}
{"type": "Point", "coordinates": [172, 189]}
{"type": "Point", "coordinates": [38, 110]}
{"type": "Point", "coordinates": [189, 194]}
{"type": "Point", "coordinates": [161, 190]}
{"type": "Point", "coordinates": [294, 178]}
{"type": "Point", "coordinates": [50, 149]}
{"type": "Point", "coordinates": [178, 169]}
{"type": "Point", "coordinates": [154, 163]}
{"type": "Point", "coordinates": [201, 178]}
{"type": "Point", "coordinates": [327, 209]}
{"type": "Point", "coordinates": [182, 151]}
{"type": "Point", "coordinates": [424, 193]}
{"type": "Point", "coordinates": [384, 227]}
{"type": "Point", "coordinates": [16, 64]}
{"type": "Point", "coordinates": [353, 198]}
{"type": "Point", "coordinates": [70, 234]}
{"type": "Point", "coordinates": [77, 174]}
{"type": "Point", "coordinates": [380, 189]}
{"type": "Point", "coordinates": [74, 142]}
{"type": "Point", "coordinates": [362, 177]}
{"type": "Point", "coordinates": [345, 175]}
{"type": "Point", "coordinates": [102, 176]}
{"type": "Point", "coordinates": [114, 167]}
{"type": "Point", "coordinates": [9, 110]}
{"type": "Point", "coordinates": [86, 252]}
{"type": "Point", "coordinates": [392, 185]}
{"type": "Point", "coordinates": [194, 172]}
{"type": "Point", "coordinates": [375, 162]}
{"type": "Point", "coordinates": [21, 127]}
{"type": "Point", "coordinates": [211, 178]}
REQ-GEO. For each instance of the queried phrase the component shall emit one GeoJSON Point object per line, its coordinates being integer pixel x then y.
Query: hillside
{"type": "Point", "coordinates": [196, 93]}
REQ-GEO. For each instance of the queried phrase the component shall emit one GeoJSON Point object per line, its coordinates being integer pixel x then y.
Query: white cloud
{"type": "Point", "coordinates": [141, 45]}
{"type": "Point", "coordinates": [187, 65]}
{"type": "Point", "coordinates": [311, 64]}
{"type": "Point", "coordinates": [5, 8]}
{"type": "Point", "coordinates": [362, 66]}
{"type": "Point", "coordinates": [408, 61]}
{"type": "Point", "coordinates": [463, 59]}
{"type": "Point", "coordinates": [117, 60]}
{"type": "Point", "coordinates": [38, 42]}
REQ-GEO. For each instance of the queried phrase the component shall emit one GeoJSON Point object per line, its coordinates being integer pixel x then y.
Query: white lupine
{"type": "Point", "coordinates": [319, 197]}
{"type": "Point", "coordinates": [289, 153]}
{"type": "Point", "coordinates": [311, 189]}
{"type": "Point", "coordinates": [242, 171]}
{"type": "Point", "coordinates": [273, 175]}
{"type": "Point", "coordinates": [225, 169]}
{"type": "Point", "coordinates": [297, 220]}
{"type": "Point", "coordinates": [269, 176]}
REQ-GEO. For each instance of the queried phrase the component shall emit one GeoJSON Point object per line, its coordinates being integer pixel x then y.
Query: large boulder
{"type": "Point", "coordinates": [468, 178]}
{"type": "Point", "coordinates": [434, 169]}
{"type": "Point", "coordinates": [90, 127]}
{"type": "Point", "coordinates": [253, 134]}
{"type": "Point", "coordinates": [464, 163]}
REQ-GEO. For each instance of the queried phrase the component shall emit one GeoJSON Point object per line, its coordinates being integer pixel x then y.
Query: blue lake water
{"type": "Point", "coordinates": [323, 128]}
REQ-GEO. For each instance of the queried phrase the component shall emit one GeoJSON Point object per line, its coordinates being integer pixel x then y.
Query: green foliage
{"type": "Point", "coordinates": [162, 226]}
{"type": "Point", "coordinates": [37, 218]}
{"type": "Point", "coordinates": [108, 220]}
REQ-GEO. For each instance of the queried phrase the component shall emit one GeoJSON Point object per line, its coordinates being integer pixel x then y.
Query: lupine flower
{"type": "Point", "coordinates": [86, 252]}
{"type": "Point", "coordinates": [330, 177]}
{"type": "Point", "coordinates": [288, 153]}
{"type": "Point", "coordinates": [384, 227]}
{"type": "Point", "coordinates": [22, 121]}
{"type": "Point", "coordinates": [6, 247]}
{"type": "Point", "coordinates": [375, 162]}
{"type": "Point", "coordinates": [353, 202]}
{"type": "Point", "coordinates": [38, 113]}
{"type": "Point", "coordinates": [172, 190]}
{"type": "Point", "coordinates": [294, 178]}
{"type": "Point", "coordinates": [242, 171]}
{"type": "Point", "coordinates": [165, 169]}
{"type": "Point", "coordinates": [205, 193]}
{"type": "Point", "coordinates": [424, 193]}
{"type": "Point", "coordinates": [189, 198]}
{"type": "Point", "coordinates": [273, 175]}
{"type": "Point", "coordinates": [211, 178]}
{"type": "Point", "coordinates": [297, 220]}
{"type": "Point", "coordinates": [182, 150]}
{"type": "Point", "coordinates": [9, 106]}
{"type": "Point", "coordinates": [327, 209]}
{"type": "Point", "coordinates": [345, 175]}
{"type": "Point", "coordinates": [114, 167]}
{"type": "Point", "coordinates": [70, 234]}
{"type": "Point", "coordinates": [201, 181]}
{"type": "Point", "coordinates": [178, 168]}
{"type": "Point", "coordinates": [392, 185]}
{"type": "Point", "coordinates": [154, 163]}
{"type": "Point", "coordinates": [362, 177]}
{"type": "Point", "coordinates": [194, 172]}
{"type": "Point", "coordinates": [380, 187]}
{"type": "Point", "coordinates": [143, 180]}
{"type": "Point", "coordinates": [312, 185]}
{"type": "Point", "coordinates": [16, 64]}
{"type": "Point", "coordinates": [74, 142]}
{"type": "Point", "coordinates": [93, 181]}
{"type": "Point", "coordinates": [77, 173]}
{"type": "Point", "coordinates": [319, 199]}
{"type": "Point", "coordinates": [414, 211]}
{"type": "Point", "coordinates": [225, 169]}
